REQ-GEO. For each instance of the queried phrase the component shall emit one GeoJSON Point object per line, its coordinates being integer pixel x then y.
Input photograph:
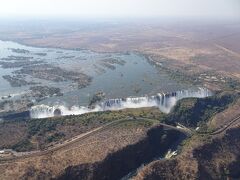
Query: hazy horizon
{"type": "Point", "coordinates": [214, 9]}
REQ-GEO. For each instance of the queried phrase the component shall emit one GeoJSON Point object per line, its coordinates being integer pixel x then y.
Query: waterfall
{"type": "Point", "coordinates": [164, 101]}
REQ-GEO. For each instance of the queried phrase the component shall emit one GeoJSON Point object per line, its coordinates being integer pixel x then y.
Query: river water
{"type": "Point", "coordinates": [131, 76]}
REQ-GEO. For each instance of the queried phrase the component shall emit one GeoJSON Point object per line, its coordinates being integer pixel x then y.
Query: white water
{"type": "Point", "coordinates": [165, 102]}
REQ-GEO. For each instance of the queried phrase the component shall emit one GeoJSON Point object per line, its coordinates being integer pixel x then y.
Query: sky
{"type": "Point", "coordinates": [121, 8]}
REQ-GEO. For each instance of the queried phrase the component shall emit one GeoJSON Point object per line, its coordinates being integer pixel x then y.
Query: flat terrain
{"type": "Point", "coordinates": [110, 145]}
{"type": "Point", "coordinates": [202, 45]}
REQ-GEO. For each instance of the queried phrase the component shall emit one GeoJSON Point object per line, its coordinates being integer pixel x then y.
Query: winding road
{"type": "Point", "coordinates": [72, 141]}
{"type": "Point", "coordinates": [218, 131]}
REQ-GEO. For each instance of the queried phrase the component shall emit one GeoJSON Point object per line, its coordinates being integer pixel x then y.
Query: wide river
{"type": "Point", "coordinates": [117, 75]}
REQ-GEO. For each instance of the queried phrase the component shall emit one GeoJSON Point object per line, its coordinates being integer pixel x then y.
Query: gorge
{"type": "Point", "coordinates": [164, 101]}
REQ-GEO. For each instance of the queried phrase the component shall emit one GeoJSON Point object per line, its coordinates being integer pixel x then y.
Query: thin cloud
{"type": "Point", "coordinates": [121, 8]}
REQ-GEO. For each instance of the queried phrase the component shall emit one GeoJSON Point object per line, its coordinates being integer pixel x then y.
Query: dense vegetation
{"type": "Point", "coordinates": [193, 112]}
{"type": "Point", "coordinates": [42, 126]}
{"type": "Point", "coordinates": [41, 133]}
{"type": "Point", "coordinates": [24, 145]}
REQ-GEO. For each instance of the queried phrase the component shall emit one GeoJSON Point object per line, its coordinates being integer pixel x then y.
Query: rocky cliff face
{"type": "Point", "coordinates": [120, 163]}
{"type": "Point", "coordinates": [215, 159]}
{"type": "Point", "coordinates": [164, 101]}
{"type": "Point", "coordinates": [220, 158]}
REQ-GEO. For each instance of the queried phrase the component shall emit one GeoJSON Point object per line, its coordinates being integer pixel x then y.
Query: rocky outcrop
{"type": "Point", "coordinates": [120, 163]}
{"type": "Point", "coordinates": [215, 159]}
